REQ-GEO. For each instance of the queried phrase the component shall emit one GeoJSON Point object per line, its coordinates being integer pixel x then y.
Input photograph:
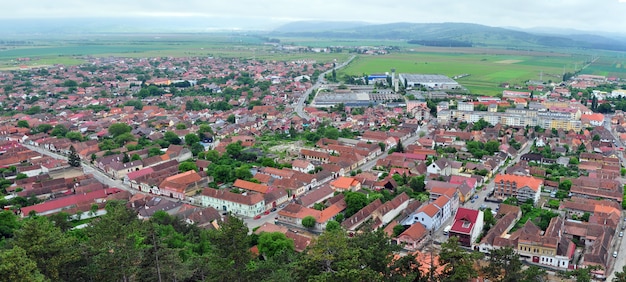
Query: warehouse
{"type": "Point", "coordinates": [432, 81]}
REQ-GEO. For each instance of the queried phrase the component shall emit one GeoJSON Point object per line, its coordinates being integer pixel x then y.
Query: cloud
{"type": "Point", "coordinates": [578, 14]}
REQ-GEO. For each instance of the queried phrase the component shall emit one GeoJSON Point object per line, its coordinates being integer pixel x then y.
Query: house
{"type": "Point", "coordinates": [183, 184]}
{"type": "Point", "coordinates": [69, 202]}
{"type": "Point", "coordinates": [302, 166]}
{"type": "Point", "coordinates": [522, 187]}
{"type": "Point", "coordinates": [467, 226]}
{"type": "Point", "coordinates": [316, 196]}
{"type": "Point", "coordinates": [440, 167]}
{"type": "Point", "coordinates": [550, 248]}
{"type": "Point", "coordinates": [352, 223]}
{"type": "Point", "coordinates": [120, 169]}
{"type": "Point", "coordinates": [498, 237]}
{"type": "Point", "coordinates": [413, 237]}
{"type": "Point", "coordinates": [251, 186]}
{"type": "Point", "coordinates": [246, 204]}
{"type": "Point", "coordinates": [345, 184]}
{"type": "Point", "coordinates": [293, 214]}
{"type": "Point", "coordinates": [274, 198]}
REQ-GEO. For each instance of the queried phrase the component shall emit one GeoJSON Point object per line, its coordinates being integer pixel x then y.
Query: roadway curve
{"type": "Point", "coordinates": [320, 80]}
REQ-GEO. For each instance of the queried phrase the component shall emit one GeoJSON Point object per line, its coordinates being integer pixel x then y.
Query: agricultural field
{"type": "Point", "coordinates": [73, 52]}
{"type": "Point", "coordinates": [487, 68]}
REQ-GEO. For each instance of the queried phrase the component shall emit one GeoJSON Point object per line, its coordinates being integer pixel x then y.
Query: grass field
{"type": "Point", "coordinates": [487, 67]}
{"type": "Point", "coordinates": [487, 70]}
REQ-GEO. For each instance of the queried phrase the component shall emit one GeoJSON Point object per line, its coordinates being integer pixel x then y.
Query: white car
{"type": "Point", "coordinates": [615, 254]}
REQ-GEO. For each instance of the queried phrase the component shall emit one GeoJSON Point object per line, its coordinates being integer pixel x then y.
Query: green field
{"type": "Point", "coordinates": [487, 69]}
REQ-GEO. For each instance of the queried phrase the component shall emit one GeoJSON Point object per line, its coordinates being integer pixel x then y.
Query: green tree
{"type": "Point", "coordinates": [398, 229]}
{"type": "Point", "coordinates": [181, 126]}
{"type": "Point", "coordinates": [620, 276]}
{"type": "Point", "coordinates": [74, 136]}
{"type": "Point", "coordinates": [191, 139]}
{"type": "Point", "coordinates": [187, 166]}
{"type": "Point", "coordinates": [44, 127]}
{"type": "Point", "coordinates": [272, 243]}
{"type": "Point", "coordinates": [504, 265]}
{"type": "Point", "coordinates": [48, 247]}
{"type": "Point", "coordinates": [417, 183]}
{"type": "Point", "coordinates": [59, 130]}
{"type": "Point", "coordinates": [118, 129]}
{"type": "Point", "coordinates": [23, 124]}
{"type": "Point", "coordinates": [135, 157]}
{"type": "Point", "coordinates": [125, 158]}
{"type": "Point", "coordinates": [459, 264]}
{"type": "Point", "coordinates": [172, 138]}
{"type": "Point", "coordinates": [15, 265]}
{"type": "Point", "coordinates": [308, 221]}
{"type": "Point", "coordinates": [124, 138]}
{"type": "Point", "coordinates": [73, 159]}
{"type": "Point", "coordinates": [355, 201]}
{"type": "Point", "coordinates": [488, 219]}
{"type": "Point", "coordinates": [332, 225]}
{"type": "Point", "coordinates": [8, 224]}
{"type": "Point", "coordinates": [230, 253]}
{"type": "Point", "coordinates": [231, 118]}
{"type": "Point", "coordinates": [399, 147]}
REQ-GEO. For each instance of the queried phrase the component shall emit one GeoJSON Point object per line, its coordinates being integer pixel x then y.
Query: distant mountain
{"type": "Point", "coordinates": [453, 34]}
{"type": "Point", "coordinates": [317, 26]}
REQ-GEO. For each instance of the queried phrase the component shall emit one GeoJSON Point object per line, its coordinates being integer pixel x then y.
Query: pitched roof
{"type": "Point", "coordinates": [464, 220]}
{"type": "Point", "coordinates": [430, 209]}
{"type": "Point", "coordinates": [344, 182]}
{"type": "Point", "coordinates": [249, 199]}
{"type": "Point", "coordinates": [251, 186]}
{"type": "Point", "coordinates": [415, 232]}
{"type": "Point", "coordinates": [520, 180]}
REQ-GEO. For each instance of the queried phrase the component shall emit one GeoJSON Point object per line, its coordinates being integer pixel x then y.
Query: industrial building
{"type": "Point", "coordinates": [432, 81]}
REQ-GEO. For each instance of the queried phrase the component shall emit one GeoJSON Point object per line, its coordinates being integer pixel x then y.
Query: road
{"type": "Point", "coordinates": [484, 192]}
{"type": "Point", "coordinates": [619, 244]}
{"type": "Point", "coordinates": [88, 169]}
{"type": "Point", "coordinates": [320, 80]}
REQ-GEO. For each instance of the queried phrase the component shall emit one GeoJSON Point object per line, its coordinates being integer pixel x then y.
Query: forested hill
{"type": "Point", "coordinates": [446, 34]}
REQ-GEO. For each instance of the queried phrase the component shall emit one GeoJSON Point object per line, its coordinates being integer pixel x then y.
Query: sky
{"type": "Point", "coordinates": [589, 15]}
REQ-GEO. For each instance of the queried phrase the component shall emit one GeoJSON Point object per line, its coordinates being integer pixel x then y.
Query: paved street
{"type": "Point", "coordinates": [88, 169]}
{"type": "Point", "coordinates": [320, 80]}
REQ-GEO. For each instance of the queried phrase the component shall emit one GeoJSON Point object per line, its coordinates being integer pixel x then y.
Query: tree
{"type": "Point", "coordinates": [332, 225]}
{"type": "Point", "coordinates": [355, 201]}
{"type": "Point", "coordinates": [73, 159]}
{"type": "Point", "coordinates": [181, 126]}
{"type": "Point", "coordinates": [620, 276]}
{"type": "Point", "coordinates": [488, 219]}
{"type": "Point", "coordinates": [44, 127]}
{"type": "Point", "coordinates": [125, 158]}
{"type": "Point", "coordinates": [187, 166]}
{"type": "Point", "coordinates": [308, 221]}
{"type": "Point", "coordinates": [417, 183]}
{"type": "Point", "coordinates": [59, 130]}
{"type": "Point", "coordinates": [191, 138]}
{"type": "Point", "coordinates": [74, 136]}
{"type": "Point", "coordinates": [459, 264]}
{"type": "Point", "coordinates": [231, 118]}
{"type": "Point", "coordinates": [399, 147]}
{"type": "Point", "coordinates": [504, 265]}
{"type": "Point", "coordinates": [271, 243]}
{"type": "Point", "coordinates": [17, 266]}
{"type": "Point", "coordinates": [48, 247]}
{"type": "Point", "coordinates": [230, 252]}
{"type": "Point", "coordinates": [23, 124]}
{"type": "Point", "coordinates": [118, 129]}
{"type": "Point", "coordinates": [172, 138]}
{"type": "Point", "coordinates": [8, 224]}
{"type": "Point", "coordinates": [135, 157]}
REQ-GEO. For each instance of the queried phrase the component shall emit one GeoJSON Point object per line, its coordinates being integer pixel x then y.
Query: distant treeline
{"type": "Point", "coordinates": [15, 42]}
{"type": "Point", "coordinates": [441, 43]}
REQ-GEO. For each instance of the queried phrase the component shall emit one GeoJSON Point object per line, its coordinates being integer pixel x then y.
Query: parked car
{"type": "Point", "coordinates": [257, 216]}
{"type": "Point", "coordinates": [476, 197]}
{"type": "Point", "coordinates": [615, 254]}
{"type": "Point", "coordinates": [473, 200]}
{"type": "Point", "coordinates": [621, 234]}
{"type": "Point", "coordinates": [273, 209]}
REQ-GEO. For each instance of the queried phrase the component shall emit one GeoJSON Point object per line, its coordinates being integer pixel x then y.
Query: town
{"type": "Point", "coordinates": [289, 147]}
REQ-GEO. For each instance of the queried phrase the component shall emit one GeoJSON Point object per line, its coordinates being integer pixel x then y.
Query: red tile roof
{"type": "Point", "coordinates": [251, 186]}
{"type": "Point", "coordinates": [520, 180]}
{"type": "Point", "coordinates": [464, 221]}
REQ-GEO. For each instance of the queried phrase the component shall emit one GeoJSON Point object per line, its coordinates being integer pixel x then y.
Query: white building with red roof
{"type": "Point", "coordinates": [467, 226]}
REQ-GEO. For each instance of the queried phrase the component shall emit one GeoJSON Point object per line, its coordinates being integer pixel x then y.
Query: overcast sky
{"type": "Point", "coordinates": [602, 15]}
